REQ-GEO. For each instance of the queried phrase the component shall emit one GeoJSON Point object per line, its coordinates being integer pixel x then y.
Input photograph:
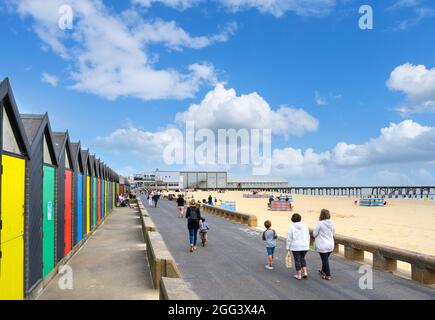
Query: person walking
{"type": "Point", "coordinates": [298, 242]}
{"type": "Point", "coordinates": [324, 241]}
{"type": "Point", "coordinates": [193, 216]}
{"type": "Point", "coordinates": [180, 205]}
{"type": "Point", "coordinates": [150, 199]}
{"type": "Point", "coordinates": [270, 237]}
{"type": "Point", "coordinates": [156, 199]}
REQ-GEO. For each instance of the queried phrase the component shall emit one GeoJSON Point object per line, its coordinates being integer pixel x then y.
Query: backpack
{"type": "Point", "coordinates": [274, 235]}
{"type": "Point", "coordinates": [194, 213]}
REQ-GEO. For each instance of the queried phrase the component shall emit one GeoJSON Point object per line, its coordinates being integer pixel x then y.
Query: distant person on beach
{"type": "Point", "coordinates": [210, 200]}
{"type": "Point", "coordinates": [324, 241]}
{"type": "Point", "coordinates": [193, 216]}
{"type": "Point", "coordinates": [270, 237]}
{"type": "Point", "coordinates": [180, 205]}
{"type": "Point", "coordinates": [298, 242]}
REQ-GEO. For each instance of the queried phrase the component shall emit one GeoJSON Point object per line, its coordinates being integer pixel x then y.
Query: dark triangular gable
{"type": "Point", "coordinates": [9, 106]}
{"type": "Point", "coordinates": [38, 129]}
{"type": "Point", "coordinates": [97, 168]}
{"type": "Point", "coordinates": [77, 157]}
{"type": "Point", "coordinates": [63, 146]}
{"type": "Point", "coordinates": [84, 154]}
{"type": "Point", "coordinates": [103, 171]}
{"type": "Point", "coordinates": [91, 166]}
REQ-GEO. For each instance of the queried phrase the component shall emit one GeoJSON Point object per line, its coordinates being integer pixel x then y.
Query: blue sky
{"type": "Point", "coordinates": [120, 76]}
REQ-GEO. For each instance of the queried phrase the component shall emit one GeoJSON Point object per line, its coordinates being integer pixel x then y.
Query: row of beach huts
{"type": "Point", "coordinates": [53, 195]}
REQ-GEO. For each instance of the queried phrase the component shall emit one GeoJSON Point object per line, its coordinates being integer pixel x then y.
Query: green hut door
{"type": "Point", "coordinates": [48, 203]}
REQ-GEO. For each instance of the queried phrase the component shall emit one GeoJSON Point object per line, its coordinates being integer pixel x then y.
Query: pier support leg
{"type": "Point", "coordinates": [353, 254]}
{"type": "Point", "coordinates": [336, 248]}
{"type": "Point", "coordinates": [382, 263]}
{"type": "Point", "coordinates": [422, 275]}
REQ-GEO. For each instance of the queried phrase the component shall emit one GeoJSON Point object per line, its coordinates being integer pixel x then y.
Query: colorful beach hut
{"type": "Point", "coordinates": [85, 191]}
{"type": "Point", "coordinates": [14, 156]}
{"type": "Point", "coordinates": [64, 196]}
{"type": "Point", "coordinates": [98, 189]}
{"type": "Point", "coordinates": [103, 189]}
{"type": "Point", "coordinates": [78, 199]}
{"type": "Point", "coordinates": [41, 200]}
{"type": "Point", "coordinates": [91, 192]}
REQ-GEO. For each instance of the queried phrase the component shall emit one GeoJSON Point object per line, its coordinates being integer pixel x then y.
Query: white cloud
{"type": "Point", "coordinates": [401, 154]}
{"type": "Point", "coordinates": [143, 145]}
{"type": "Point", "coordinates": [109, 52]}
{"type": "Point", "coordinates": [406, 142]}
{"type": "Point", "coordinates": [223, 108]}
{"type": "Point", "coordinates": [321, 101]}
{"type": "Point", "coordinates": [50, 79]}
{"type": "Point", "coordinates": [176, 38]}
{"type": "Point", "coordinates": [417, 82]}
{"type": "Point", "coordinates": [291, 162]}
{"type": "Point", "coordinates": [399, 4]}
{"type": "Point", "coordinates": [178, 4]}
{"type": "Point", "coordinates": [280, 7]}
{"type": "Point", "coordinates": [419, 15]}
{"type": "Point", "coordinates": [401, 144]}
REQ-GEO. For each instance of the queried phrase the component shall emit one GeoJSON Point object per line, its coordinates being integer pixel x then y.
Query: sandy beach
{"type": "Point", "coordinates": [406, 224]}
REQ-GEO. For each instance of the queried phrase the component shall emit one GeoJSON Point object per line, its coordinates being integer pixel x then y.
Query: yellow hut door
{"type": "Point", "coordinates": [12, 231]}
{"type": "Point", "coordinates": [12, 215]}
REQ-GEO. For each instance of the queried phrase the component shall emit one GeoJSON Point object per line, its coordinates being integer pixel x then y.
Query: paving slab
{"type": "Point", "coordinates": [111, 265]}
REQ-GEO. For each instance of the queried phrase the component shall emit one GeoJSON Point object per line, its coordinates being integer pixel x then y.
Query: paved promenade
{"type": "Point", "coordinates": [232, 266]}
{"type": "Point", "coordinates": [111, 265]}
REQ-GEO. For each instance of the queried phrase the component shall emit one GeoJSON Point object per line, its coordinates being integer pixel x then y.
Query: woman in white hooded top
{"type": "Point", "coordinates": [298, 242]}
{"type": "Point", "coordinates": [324, 241]}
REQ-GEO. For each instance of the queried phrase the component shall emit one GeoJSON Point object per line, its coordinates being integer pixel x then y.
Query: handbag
{"type": "Point", "coordinates": [288, 260]}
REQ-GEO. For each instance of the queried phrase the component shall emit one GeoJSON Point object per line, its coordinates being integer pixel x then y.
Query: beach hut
{"type": "Point", "coordinates": [103, 189]}
{"type": "Point", "coordinates": [14, 156]}
{"type": "Point", "coordinates": [86, 192]}
{"type": "Point", "coordinates": [92, 193]}
{"type": "Point", "coordinates": [106, 190]}
{"type": "Point", "coordinates": [41, 200]}
{"type": "Point", "coordinates": [98, 189]}
{"type": "Point", "coordinates": [64, 196]}
{"type": "Point", "coordinates": [117, 184]}
{"type": "Point", "coordinates": [78, 199]}
{"type": "Point", "coordinates": [111, 189]}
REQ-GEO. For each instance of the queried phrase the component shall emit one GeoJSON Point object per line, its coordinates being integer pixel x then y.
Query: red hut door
{"type": "Point", "coordinates": [68, 211]}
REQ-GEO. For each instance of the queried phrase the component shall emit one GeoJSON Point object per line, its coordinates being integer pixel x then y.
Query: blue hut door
{"type": "Point", "coordinates": [79, 207]}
